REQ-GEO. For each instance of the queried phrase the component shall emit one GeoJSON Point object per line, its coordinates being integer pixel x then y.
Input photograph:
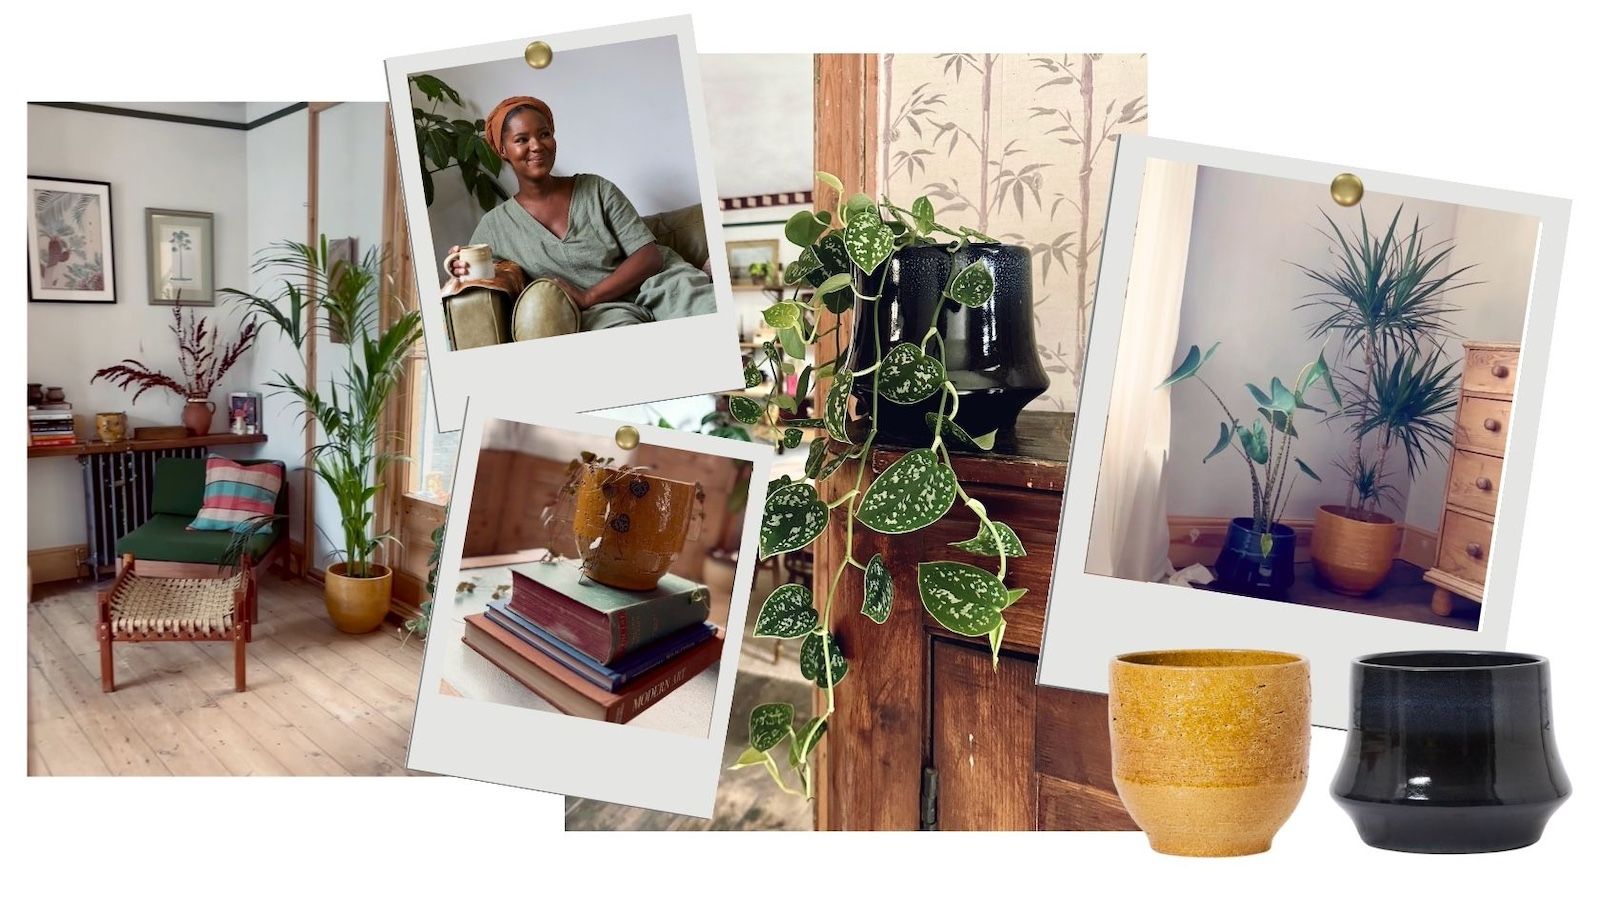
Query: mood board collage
{"type": "Point", "coordinates": [772, 441]}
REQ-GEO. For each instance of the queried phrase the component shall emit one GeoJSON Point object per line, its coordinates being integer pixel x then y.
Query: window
{"type": "Point", "coordinates": [434, 471]}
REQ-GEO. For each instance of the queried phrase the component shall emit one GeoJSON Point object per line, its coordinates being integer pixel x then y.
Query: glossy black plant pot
{"type": "Point", "coordinates": [1450, 751]}
{"type": "Point", "coordinates": [989, 351]}
{"type": "Point", "coordinates": [1243, 569]}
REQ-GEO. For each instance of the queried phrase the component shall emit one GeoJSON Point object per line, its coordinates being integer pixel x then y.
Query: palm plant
{"type": "Point", "coordinates": [344, 299]}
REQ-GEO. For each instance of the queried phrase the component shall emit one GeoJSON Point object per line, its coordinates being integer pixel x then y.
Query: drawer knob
{"type": "Point", "coordinates": [1499, 371]}
{"type": "Point", "coordinates": [1475, 550]}
{"type": "Point", "coordinates": [1491, 425]}
{"type": "Point", "coordinates": [1483, 484]}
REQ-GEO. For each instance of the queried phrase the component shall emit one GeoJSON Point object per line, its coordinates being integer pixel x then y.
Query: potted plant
{"type": "Point", "coordinates": [201, 365]}
{"type": "Point", "coordinates": [344, 300]}
{"type": "Point", "coordinates": [1384, 302]}
{"type": "Point", "coordinates": [1257, 556]}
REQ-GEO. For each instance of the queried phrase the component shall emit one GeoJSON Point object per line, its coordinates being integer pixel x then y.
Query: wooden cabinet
{"type": "Point", "coordinates": [1488, 380]}
{"type": "Point", "coordinates": [927, 732]}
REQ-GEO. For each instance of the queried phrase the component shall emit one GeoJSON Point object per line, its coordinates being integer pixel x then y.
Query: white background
{"type": "Point", "coordinates": [1502, 99]}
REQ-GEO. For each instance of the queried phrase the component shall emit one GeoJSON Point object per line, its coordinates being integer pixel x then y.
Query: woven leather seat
{"type": "Point", "coordinates": [175, 606]}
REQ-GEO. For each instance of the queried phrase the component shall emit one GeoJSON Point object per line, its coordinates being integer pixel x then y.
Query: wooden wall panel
{"type": "Point", "coordinates": [985, 761]}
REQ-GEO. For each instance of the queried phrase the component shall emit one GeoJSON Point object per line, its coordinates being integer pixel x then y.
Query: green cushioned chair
{"type": "Point", "coordinates": [166, 548]}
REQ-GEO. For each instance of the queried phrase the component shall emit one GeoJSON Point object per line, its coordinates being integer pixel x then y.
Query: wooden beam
{"type": "Point", "coordinates": [308, 525]}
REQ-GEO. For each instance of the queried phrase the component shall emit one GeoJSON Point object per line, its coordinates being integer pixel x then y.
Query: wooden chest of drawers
{"type": "Point", "coordinates": [1488, 380]}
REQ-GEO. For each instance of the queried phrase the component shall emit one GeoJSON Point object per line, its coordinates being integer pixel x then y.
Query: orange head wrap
{"type": "Point", "coordinates": [495, 124]}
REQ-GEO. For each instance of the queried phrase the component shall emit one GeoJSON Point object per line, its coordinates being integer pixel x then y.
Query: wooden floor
{"type": "Point", "coordinates": [319, 702]}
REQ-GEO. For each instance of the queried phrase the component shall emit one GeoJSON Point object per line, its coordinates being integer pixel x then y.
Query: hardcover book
{"type": "Point", "coordinates": [605, 623]}
{"type": "Point", "coordinates": [611, 677]}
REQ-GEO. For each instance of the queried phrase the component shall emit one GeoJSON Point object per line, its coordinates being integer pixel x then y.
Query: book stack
{"type": "Point", "coordinates": [51, 425]}
{"type": "Point", "coordinates": [592, 650]}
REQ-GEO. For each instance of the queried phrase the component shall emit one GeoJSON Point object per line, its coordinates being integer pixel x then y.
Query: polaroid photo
{"type": "Point", "coordinates": [559, 191]}
{"type": "Point", "coordinates": [584, 634]}
{"type": "Point", "coordinates": [1308, 414]}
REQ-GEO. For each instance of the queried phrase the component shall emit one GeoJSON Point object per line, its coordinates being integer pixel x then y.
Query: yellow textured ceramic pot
{"type": "Point", "coordinates": [1210, 748]}
{"type": "Point", "coordinates": [357, 605]}
{"type": "Point", "coordinates": [630, 526]}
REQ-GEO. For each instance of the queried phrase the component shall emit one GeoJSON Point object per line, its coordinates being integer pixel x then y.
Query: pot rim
{"type": "Point", "coordinates": [1247, 659]}
{"type": "Point", "coordinates": [635, 473]}
{"type": "Point", "coordinates": [1249, 524]}
{"type": "Point", "coordinates": [344, 567]}
{"type": "Point", "coordinates": [1332, 509]}
{"type": "Point", "coordinates": [1449, 661]}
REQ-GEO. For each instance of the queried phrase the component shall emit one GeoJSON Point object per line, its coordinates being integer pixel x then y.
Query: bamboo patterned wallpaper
{"type": "Point", "coordinates": [1018, 146]}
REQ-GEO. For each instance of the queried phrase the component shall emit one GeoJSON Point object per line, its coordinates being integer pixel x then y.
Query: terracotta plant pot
{"type": "Point", "coordinates": [1210, 748]}
{"type": "Point", "coordinates": [357, 605]}
{"type": "Point", "coordinates": [1352, 552]}
{"type": "Point", "coordinates": [631, 526]}
{"type": "Point", "coordinates": [197, 413]}
{"type": "Point", "coordinates": [1450, 751]}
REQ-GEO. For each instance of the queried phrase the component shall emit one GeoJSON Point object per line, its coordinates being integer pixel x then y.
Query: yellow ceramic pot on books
{"type": "Point", "coordinates": [631, 526]}
{"type": "Point", "coordinates": [1210, 748]}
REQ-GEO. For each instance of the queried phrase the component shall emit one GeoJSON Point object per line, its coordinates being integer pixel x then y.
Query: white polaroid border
{"type": "Point", "coordinates": [683, 357]}
{"type": "Point", "coordinates": [1092, 618]}
{"type": "Point", "coordinates": [550, 751]}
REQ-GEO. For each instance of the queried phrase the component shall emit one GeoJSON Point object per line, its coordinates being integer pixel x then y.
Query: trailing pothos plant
{"type": "Point", "coordinates": [842, 249]}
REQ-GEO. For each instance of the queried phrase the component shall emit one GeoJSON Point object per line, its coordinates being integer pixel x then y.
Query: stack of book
{"type": "Point", "coordinates": [51, 425]}
{"type": "Point", "coordinates": [592, 650]}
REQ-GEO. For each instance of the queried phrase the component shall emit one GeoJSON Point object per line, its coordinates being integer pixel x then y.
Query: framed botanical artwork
{"type": "Point", "coordinates": [753, 264]}
{"type": "Point", "coordinates": [178, 254]}
{"type": "Point", "coordinates": [70, 257]}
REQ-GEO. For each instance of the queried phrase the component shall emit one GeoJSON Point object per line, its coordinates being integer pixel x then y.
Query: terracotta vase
{"type": "Point", "coordinates": [111, 427]}
{"type": "Point", "coordinates": [1210, 748]}
{"type": "Point", "coordinates": [357, 605]}
{"type": "Point", "coordinates": [631, 526]}
{"type": "Point", "coordinates": [1353, 553]}
{"type": "Point", "coordinates": [197, 414]}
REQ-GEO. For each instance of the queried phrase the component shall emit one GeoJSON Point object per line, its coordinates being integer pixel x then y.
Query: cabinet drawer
{"type": "Point", "coordinates": [1474, 482]}
{"type": "Point", "coordinates": [1481, 425]}
{"type": "Point", "coordinates": [1490, 371]}
{"type": "Point", "coordinates": [1464, 546]}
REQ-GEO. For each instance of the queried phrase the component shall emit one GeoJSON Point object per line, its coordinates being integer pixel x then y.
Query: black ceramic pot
{"type": "Point", "coordinates": [1243, 569]}
{"type": "Point", "coordinates": [989, 351]}
{"type": "Point", "coordinates": [1450, 751]}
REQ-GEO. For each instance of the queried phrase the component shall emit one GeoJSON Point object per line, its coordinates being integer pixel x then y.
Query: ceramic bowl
{"type": "Point", "coordinates": [1210, 748]}
{"type": "Point", "coordinates": [1450, 751]}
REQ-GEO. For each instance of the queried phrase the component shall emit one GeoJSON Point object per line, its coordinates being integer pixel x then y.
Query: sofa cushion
{"type": "Point", "coordinates": [237, 494]}
{"type": "Point", "coordinates": [180, 485]}
{"type": "Point", "coordinates": [683, 230]}
{"type": "Point", "coordinates": [167, 537]}
{"type": "Point", "coordinates": [544, 310]}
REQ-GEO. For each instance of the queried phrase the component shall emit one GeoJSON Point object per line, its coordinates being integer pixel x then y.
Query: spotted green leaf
{"type": "Point", "coordinates": [752, 376]}
{"type": "Point", "coordinates": [750, 757]}
{"type": "Point", "coordinates": [840, 281]}
{"type": "Point", "coordinates": [792, 518]}
{"type": "Point", "coordinates": [909, 375]}
{"type": "Point", "coordinates": [922, 215]}
{"type": "Point", "coordinates": [744, 409]}
{"type": "Point", "coordinates": [1012, 596]}
{"type": "Point", "coordinates": [1223, 439]}
{"type": "Point", "coordinates": [1192, 361]}
{"type": "Point", "coordinates": [770, 723]}
{"type": "Point", "coordinates": [788, 612]}
{"type": "Point", "coordinates": [782, 315]}
{"type": "Point", "coordinates": [877, 590]}
{"type": "Point", "coordinates": [973, 285]}
{"type": "Point", "coordinates": [832, 259]}
{"type": "Point", "coordinates": [792, 437]}
{"type": "Point", "coordinates": [965, 599]}
{"type": "Point", "coordinates": [833, 465]}
{"type": "Point", "coordinates": [806, 740]}
{"type": "Point", "coordinates": [983, 544]}
{"type": "Point", "coordinates": [860, 205]}
{"type": "Point", "coordinates": [801, 267]}
{"type": "Point", "coordinates": [793, 343]}
{"type": "Point", "coordinates": [836, 407]}
{"type": "Point", "coordinates": [803, 228]}
{"type": "Point", "coordinates": [815, 456]}
{"type": "Point", "coordinates": [957, 435]}
{"type": "Point", "coordinates": [811, 660]}
{"type": "Point", "coordinates": [914, 492]}
{"type": "Point", "coordinates": [868, 241]}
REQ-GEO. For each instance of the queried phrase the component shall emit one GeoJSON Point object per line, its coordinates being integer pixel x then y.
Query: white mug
{"type": "Point", "coordinates": [479, 260]}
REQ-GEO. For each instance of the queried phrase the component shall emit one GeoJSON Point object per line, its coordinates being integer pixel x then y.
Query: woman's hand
{"type": "Point", "coordinates": [454, 264]}
{"type": "Point", "coordinates": [578, 296]}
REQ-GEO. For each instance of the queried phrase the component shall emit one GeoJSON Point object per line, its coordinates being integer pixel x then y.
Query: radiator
{"type": "Point", "coordinates": [117, 492]}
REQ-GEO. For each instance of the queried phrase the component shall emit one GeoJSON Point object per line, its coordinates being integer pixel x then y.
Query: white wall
{"type": "Point", "coordinates": [759, 107]}
{"type": "Point", "coordinates": [620, 112]}
{"type": "Point", "coordinates": [149, 164]}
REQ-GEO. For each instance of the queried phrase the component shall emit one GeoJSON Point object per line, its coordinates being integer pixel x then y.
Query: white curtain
{"type": "Point", "coordinates": [1128, 537]}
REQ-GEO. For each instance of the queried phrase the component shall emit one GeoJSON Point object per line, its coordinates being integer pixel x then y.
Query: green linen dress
{"type": "Point", "coordinates": [603, 229]}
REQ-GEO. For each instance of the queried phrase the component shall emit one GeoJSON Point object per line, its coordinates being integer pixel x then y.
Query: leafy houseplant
{"type": "Point", "coordinates": [345, 298]}
{"type": "Point", "coordinates": [199, 361]}
{"type": "Point", "coordinates": [1258, 556]}
{"type": "Point", "coordinates": [843, 248]}
{"type": "Point", "coordinates": [1383, 300]}
{"type": "Point", "coordinates": [446, 143]}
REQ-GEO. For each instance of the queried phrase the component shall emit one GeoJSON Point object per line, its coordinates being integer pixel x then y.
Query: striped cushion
{"type": "Point", "coordinates": [236, 494]}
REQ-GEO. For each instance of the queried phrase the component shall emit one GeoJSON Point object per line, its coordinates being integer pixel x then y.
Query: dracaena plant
{"type": "Point", "coordinates": [842, 248]}
{"type": "Point", "coordinates": [1266, 444]}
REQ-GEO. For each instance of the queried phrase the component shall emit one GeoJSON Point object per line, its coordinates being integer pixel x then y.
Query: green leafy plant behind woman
{"type": "Point", "coordinates": [344, 301]}
{"type": "Point", "coordinates": [444, 143]}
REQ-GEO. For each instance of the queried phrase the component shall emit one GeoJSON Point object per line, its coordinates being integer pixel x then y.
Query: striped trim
{"type": "Point", "coordinates": [756, 201]}
{"type": "Point", "coordinates": [236, 494]}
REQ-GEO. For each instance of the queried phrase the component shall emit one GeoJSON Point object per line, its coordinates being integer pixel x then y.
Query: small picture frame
{"type": "Point", "coordinates": [179, 248]}
{"type": "Point", "coordinates": [753, 265]}
{"type": "Point", "coordinates": [244, 412]}
{"type": "Point", "coordinates": [71, 255]}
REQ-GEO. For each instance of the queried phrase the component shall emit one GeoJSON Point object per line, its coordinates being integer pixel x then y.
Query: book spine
{"type": "Point", "coordinates": [639, 625]}
{"type": "Point", "coordinates": [662, 681]}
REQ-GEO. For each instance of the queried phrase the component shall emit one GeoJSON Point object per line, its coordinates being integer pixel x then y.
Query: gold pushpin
{"type": "Point", "coordinates": [1346, 189]}
{"type": "Point", "coordinates": [538, 54]}
{"type": "Point", "coordinates": [627, 437]}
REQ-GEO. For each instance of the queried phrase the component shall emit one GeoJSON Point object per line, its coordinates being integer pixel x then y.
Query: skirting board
{"type": "Point", "coordinates": [1198, 539]}
{"type": "Point", "coordinates": [57, 563]}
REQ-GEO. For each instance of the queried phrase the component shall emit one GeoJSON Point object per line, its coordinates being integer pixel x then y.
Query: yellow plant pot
{"type": "Point", "coordinates": [357, 605]}
{"type": "Point", "coordinates": [1352, 555]}
{"type": "Point", "coordinates": [630, 526]}
{"type": "Point", "coordinates": [1210, 748]}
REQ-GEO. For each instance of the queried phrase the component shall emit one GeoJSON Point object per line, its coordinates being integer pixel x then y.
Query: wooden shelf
{"type": "Point", "coordinates": [86, 448]}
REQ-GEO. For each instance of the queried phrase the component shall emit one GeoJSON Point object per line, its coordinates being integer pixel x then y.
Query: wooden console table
{"type": "Point", "coordinates": [926, 732]}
